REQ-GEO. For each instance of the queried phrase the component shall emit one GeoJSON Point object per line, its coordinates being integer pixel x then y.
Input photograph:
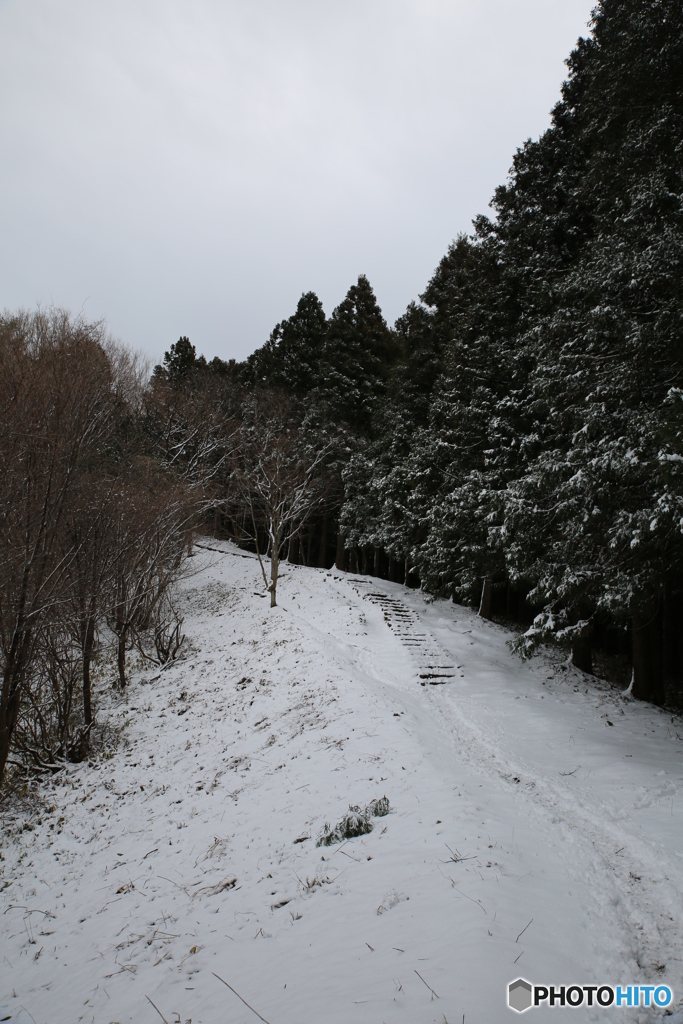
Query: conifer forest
{"type": "Point", "coordinates": [514, 442]}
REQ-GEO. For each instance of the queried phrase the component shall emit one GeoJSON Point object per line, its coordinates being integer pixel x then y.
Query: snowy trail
{"type": "Point", "coordinates": [527, 836]}
{"type": "Point", "coordinates": [634, 859]}
{"type": "Point", "coordinates": [640, 859]}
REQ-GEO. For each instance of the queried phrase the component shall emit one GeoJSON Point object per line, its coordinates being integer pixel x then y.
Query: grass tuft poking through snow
{"type": "Point", "coordinates": [355, 823]}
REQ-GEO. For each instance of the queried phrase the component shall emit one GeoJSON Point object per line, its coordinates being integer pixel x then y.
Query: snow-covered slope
{"type": "Point", "coordinates": [536, 825]}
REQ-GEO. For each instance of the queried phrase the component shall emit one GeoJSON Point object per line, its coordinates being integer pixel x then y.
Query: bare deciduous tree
{"type": "Point", "coordinates": [55, 394]}
{"type": "Point", "coordinates": [168, 630]}
{"type": "Point", "coordinates": [154, 519]}
{"type": "Point", "coordinates": [277, 476]}
{"type": "Point", "coordinates": [49, 730]}
{"type": "Point", "coordinates": [89, 534]}
{"type": "Point", "coordinates": [193, 421]}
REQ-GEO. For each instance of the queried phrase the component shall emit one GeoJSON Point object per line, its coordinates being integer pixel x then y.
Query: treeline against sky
{"type": "Point", "coordinates": [514, 442]}
{"type": "Point", "coordinates": [106, 475]}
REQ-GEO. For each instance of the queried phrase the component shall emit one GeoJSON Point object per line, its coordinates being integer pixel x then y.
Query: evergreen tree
{"type": "Point", "coordinates": [595, 517]}
{"type": "Point", "coordinates": [377, 512]}
{"type": "Point", "coordinates": [290, 359]}
{"type": "Point", "coordinates": [547, 453]}
{"type": "Point", "coordinates": [358, 354]}
{"type": "Point", "coordinates": [181, 359]}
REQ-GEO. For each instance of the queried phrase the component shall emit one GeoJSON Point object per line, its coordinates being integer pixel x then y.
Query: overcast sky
{"type": "Point", "coordinates": [190, 168]}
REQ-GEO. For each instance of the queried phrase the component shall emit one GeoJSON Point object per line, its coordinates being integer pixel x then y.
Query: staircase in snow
{"type": "Point", "coordinates": [434, 665]}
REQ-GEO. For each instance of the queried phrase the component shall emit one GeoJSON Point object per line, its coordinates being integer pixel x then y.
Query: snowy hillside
{"type": "Point", "coordinates": [535, 826]}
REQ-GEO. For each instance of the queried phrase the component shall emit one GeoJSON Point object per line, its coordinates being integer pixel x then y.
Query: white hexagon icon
{"type": "Point", "coordinates": [519, 995]}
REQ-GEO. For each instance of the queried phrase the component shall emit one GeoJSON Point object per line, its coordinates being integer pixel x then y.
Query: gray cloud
{"type": "Point", "coordinates": [191, 168]}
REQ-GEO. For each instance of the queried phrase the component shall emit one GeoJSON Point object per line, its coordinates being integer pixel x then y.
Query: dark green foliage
{"type": "Point", "coordinates": [355, 823]}
{"type": "Point", "coordinates": [532, 432]}
{"type": "Point", "coordinates": [357, 357]}
{"type": "Point", "coordinates": [607, 345]}
{"type": "Point", "coordinates": [181, 359]}
{"type": "Point", "coordinates": [290, 359]}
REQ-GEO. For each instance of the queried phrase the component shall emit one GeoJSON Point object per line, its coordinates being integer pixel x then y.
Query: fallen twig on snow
{"type": "Point", "coordinates": [478, 902]}
{"type": "Point", "coordinates": [425, 983]}
{"type": "Point", "coordinates": [240, 997]}
{"type": "Point", "coordinates": [456, 857]}
{"type": "Point", "coordinates": [16, 906]}
{"type": "Point", "coordinates": [157, 1009]}
{"type": "Point", "coordinates": [522, 931]}
{"type": "Point", "coordinates": [177, 884]}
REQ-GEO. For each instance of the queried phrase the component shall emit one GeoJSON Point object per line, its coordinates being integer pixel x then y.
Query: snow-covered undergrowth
{"type": "Point", "coordinates": [535, 827]}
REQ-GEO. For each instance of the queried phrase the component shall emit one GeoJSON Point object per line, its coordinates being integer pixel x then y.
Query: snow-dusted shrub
{"type": "Point", "coordinates": [50, 728]}
{"type": "Point", "coordinates": [379, 807]}
{"type": "Point", "coordinates": [168, 625]}
{"type": "Point", "coordinates": [355, 823]}
{"type": "Point", "coordinates": [549, 627]}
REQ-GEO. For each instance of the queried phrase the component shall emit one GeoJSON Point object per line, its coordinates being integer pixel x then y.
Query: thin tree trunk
{"type": "Point", "coordinates": [322, 552]}
{"type": "Point", "coordinates": [486, 599]}
{"type": "Point", "coordinates": [340, 560]}
{"type": "Point", "coordinates": [12, 679]}
{"type": "Point", "coordinates": [4, 744]}
{"type": "Point", "coordinates": [121, 659]}
{"type": "Point", "coordinates": [293, 555]}
{"type": "Point", "coordinates": [582, 653]}
{"type": "Point", "coordinates": [9, 713]}
{"type": "Point", "coordinates": [364, 561]}
{"type": "Point", "coordinates": [670, 634]}
{"type": "Point", "coordinates": [353, 559]}
{"type": "Point", "coordinates": [258, 553]}
{"type": "Point", "coordinates": [88, 644]}
{"type": "Point", "coordinates": [274, 566]}
{"type": "Point", "coordinates": [376, 567]}
{"type": "Point", "coordinates": [648, 683]}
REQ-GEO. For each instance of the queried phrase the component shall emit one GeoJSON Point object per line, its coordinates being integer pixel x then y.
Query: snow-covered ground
{"type": "Point", "coordinates": [535, 831]}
